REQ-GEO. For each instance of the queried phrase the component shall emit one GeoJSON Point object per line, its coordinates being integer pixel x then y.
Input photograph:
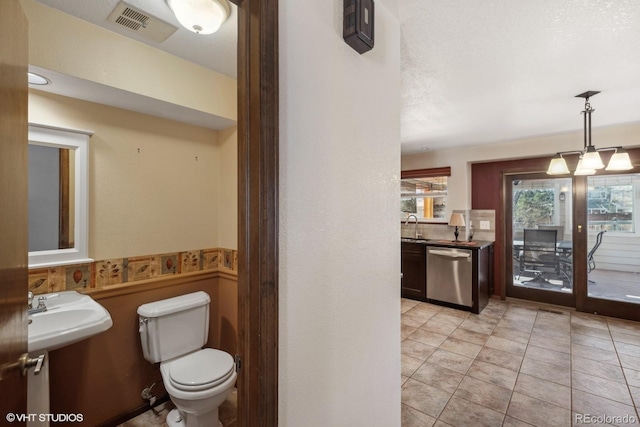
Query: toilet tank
{"type": "Point", "coordinates": [175, 326]}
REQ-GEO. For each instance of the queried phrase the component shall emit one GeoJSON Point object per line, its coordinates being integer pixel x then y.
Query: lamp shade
{"type": "Point", "coordinates": [558, 166]}
{"type": "Point", "coordinates": [200, 16]}
{"type": "Point", "coordinates": [582, 170]}
{"type": "Point", "coordinates": [620, 161]}
{"type": "Point", "coordinates": [591, 159]}
{"type": "Point", "coordinates": [456, 219]}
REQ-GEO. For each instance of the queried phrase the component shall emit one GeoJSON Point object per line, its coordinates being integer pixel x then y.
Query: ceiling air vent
{"type": "Point", "coordinates": [140, 22]}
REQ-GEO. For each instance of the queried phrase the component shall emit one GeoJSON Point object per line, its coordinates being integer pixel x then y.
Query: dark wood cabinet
{"type": "Point", "coordinates": [414, 271]}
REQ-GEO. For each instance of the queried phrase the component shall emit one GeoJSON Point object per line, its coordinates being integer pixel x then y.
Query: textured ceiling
{"type": "Point", "coordinates": [495, 70]}
{"type": "Point", "coordinates": [472, 71]}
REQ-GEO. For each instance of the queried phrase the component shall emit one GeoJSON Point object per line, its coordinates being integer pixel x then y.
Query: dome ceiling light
{"type": "Point", "coordinates": [200, 16]}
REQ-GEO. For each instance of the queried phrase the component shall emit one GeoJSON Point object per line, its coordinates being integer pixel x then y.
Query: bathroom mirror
{"type": "Point", "coordinates": [58, 196]}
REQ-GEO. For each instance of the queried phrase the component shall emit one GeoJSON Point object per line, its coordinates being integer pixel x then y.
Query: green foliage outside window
{"type": "Point", "coordinates": [533, 207]}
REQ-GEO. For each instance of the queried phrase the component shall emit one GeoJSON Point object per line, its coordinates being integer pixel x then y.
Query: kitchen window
{"type": "Point", "coordinates": [423, 193]}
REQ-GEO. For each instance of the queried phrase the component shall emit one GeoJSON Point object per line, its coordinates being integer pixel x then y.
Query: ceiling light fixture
{"type": "Point", "coordinates": [200, 16]}
{"type": "Point", "coordinates": [37, 79]}
{"type": "Point", "coordinates": [590, 160]}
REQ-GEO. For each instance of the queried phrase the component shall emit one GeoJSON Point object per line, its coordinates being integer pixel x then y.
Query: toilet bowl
{"type": "Point", "coordinates": [198, 380]}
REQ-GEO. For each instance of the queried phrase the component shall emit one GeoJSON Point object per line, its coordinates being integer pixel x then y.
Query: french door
{"type": "Point", "coordinates": [575, 241]}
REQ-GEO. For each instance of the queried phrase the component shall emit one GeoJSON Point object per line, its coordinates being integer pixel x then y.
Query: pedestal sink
{"type": "Point", "coordinates": [69, 317]}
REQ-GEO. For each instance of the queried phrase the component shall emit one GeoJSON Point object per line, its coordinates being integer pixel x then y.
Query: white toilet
{"type": "Point", "coordinates": [198, 380]}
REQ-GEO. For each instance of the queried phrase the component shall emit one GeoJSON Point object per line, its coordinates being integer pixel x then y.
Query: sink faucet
{"type": "Point", "coordinates": [40, 308]}
{"type": "Point", "coordinates": [415, 234]}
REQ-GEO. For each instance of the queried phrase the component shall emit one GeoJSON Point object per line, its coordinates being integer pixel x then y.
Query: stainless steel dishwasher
{"type": "Point", "coordinates": [449, 275]}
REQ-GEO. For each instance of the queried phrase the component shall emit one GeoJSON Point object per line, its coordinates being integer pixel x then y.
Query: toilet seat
{"type": "Point", "coordinates": [201, 370]}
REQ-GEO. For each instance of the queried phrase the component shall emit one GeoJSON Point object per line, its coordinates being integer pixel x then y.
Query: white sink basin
{"type": "Point", "coordinates": [70, 317]}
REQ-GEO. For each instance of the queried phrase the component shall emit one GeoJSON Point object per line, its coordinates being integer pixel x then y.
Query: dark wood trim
{"type": "Point", "coordinates": [63, 221]}
{"type": "Point", "coordinates": [426, 173]}
{"type": "Point", "coordinates": [258, 212]}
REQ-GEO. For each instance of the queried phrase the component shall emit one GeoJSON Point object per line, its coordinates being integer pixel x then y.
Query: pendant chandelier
{"type": "Point", "coordinates": [590, 160]}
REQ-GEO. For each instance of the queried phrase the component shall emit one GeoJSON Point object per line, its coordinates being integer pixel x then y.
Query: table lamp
{"type": "Point", "coordinates": [457, 220]}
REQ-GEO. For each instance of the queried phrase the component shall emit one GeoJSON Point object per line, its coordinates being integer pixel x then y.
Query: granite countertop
{"type": "Point", "coordinates": [475, 244]}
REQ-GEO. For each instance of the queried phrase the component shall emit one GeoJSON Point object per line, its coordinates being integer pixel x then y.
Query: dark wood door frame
{"type": "Point", "coordinates": [258, 212]}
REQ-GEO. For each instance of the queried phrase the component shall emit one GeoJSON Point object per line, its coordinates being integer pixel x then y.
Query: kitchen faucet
{"type": "Point", "coordinates": [416, 235]}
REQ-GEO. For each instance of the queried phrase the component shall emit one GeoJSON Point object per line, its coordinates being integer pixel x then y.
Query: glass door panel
{"type": "Point", "coordinates": [541, 218]}
{"type": "Point", "coordinates": [613, 245]}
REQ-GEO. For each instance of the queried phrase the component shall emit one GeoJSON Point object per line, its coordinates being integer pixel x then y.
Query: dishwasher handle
{"type": "Point", "coordinates": [449, 253]}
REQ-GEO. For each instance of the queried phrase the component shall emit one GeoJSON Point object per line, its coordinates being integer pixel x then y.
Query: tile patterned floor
{"type": "Point", "coordinates": [517, 364]}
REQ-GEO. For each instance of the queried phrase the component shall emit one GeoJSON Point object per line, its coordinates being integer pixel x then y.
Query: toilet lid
{"type": "Point", "coordinates": [200, 370]}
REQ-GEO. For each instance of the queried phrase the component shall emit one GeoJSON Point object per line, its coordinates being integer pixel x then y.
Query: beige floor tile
{"type": "Point", "coordinates": [405, 331]}
{"type": "Point", "coordinates": [544, 390]}
{"type": "Point", "coordinates": [461, 347]}
{"type": "Point", "coordinates": [412, 321]}
{"type": "Point", "coordinates": [598, 369]}
{"type": "Point", "coordinates": [497, 375]}
{"type": "Point", "coordinates": [625, 338]}
{"type": "Point", "coordinates": [561, 345]}
{"type": "Point", "coordinates": [628, 349]}
{"type": "Point", "coordinates": [483, 393]}
{"type": "Point", "coordinates": [537, 412]}
{"type": "Point", "coordinates": [417, 349]}
{"type": "Point", "coordinates": [504, 344]}
{"type": "Point", "coordinates": [511, 334]}
{"type": "Point", "coordinates": [500, 358]}
{"type": "Point", "coordinates": [548, 356]}
{"type": "Point", "coordinates": [424, 398]}
{"type": "Point", "coordinates": [552, 333]}
{"type": "Point", "coordinates": [441, 424]}
{"type": "Point", "coordinates": [632, 376]}
{"type": "Point", "coordinates": [624, 326]}
{"type": "Point", "coordinates": [414, 418]}
{"type": "Point", "coordinates": [546, 371]}
{"type": "Point", "coordinates": [512, 422]}
{"type": "Point", "coordinates": [590, 320]}
{"type": "Point", "coordinates": [635, 394]}
{"type": "Point", "coordinates": [593, 353]}
{"type": "Point", "coordinates": [462, 413]}
{"type": "Point", "coordinates": [407, 304]}
{"type": "Point", "coordinates": [629, 361]}
{"type": "Point", "coordinates": [601, 387]}
{"type": "Point", "coordinates": [447, 317]}
{"type": "Point", "coordinates": [409, 365]}
{"type": "Point", "coordinates": [470, 336]}
{"type": "Point", "coordinates": [422, 312]}
{"type": "Point", "coordinates": [427, 337]}
{"type": "Point", "coordinates": [587, 341]}
{"type": "Point", "coordinates": [440, 325]}
{"type": "Point", "coordinates": [590, 332]}
{"type": "Point", "coordinates": [478, 326]}
{"type": "Point", "coordinates": [515, 324]}
{"type": "Point", "coordinates": [438, 376]}
{"type": "Point", "coordinates": [454, 312]}
{"type": "Point", "coordinates": [446, 359]}
{"type": "Point", "coordinates": [587, 403]}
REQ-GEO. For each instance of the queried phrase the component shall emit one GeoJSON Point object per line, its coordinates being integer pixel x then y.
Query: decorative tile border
{"type": "Point", "coordinates": [105, 273]}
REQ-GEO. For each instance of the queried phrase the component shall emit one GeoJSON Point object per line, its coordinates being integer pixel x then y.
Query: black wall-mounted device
{"type": "Point", "coordinates": [358, 24]}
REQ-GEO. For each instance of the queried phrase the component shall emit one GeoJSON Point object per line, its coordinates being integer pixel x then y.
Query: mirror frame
{"type": "Point", "coordinates": [78, 141]}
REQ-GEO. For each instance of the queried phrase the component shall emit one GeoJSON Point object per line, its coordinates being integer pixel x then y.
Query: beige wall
{"type": "Point", "coordinates": [160, 199]}
{"type": "Point", "coordinates": [68, 45]}
{"type": "Point", "coordinates": [228, 200]}
{"type": "Point", "coordinates": [460, 159]}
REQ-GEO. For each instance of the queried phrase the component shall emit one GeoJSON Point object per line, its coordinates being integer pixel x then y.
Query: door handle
{"type": "Point", "coordinates": [23, 364]}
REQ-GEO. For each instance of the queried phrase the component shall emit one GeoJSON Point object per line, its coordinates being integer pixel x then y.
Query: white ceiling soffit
{"type": "Point", "coordinates": [73, 87]}
{"type": "Point", "coordinates": [216, 52]}
{"type": "Point", "coordinates": [497, 70]}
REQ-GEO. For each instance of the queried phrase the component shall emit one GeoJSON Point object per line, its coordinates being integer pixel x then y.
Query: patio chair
{"type": "Point", "coordinates": [566, 264]}
{"type": "Point", "coordinates": [539, 254]}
